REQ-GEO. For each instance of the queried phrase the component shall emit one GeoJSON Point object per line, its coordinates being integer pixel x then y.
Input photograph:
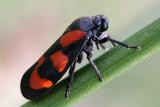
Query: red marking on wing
{"type": "Point", "coordinates": [35, 81]}
{"type": "Point", "coordinates": [71, 37]}
{"type": "Point", "coordinates": [59, 60]}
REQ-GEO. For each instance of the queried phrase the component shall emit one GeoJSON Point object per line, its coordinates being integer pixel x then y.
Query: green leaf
{"type": "Point", "coordinates": [111, 65]}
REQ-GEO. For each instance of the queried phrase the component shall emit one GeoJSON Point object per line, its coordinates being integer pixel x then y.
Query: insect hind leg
{"type": "Point", "coordinates": [80, 57]}
{"type": "Point", "coordinates": [70, 79]}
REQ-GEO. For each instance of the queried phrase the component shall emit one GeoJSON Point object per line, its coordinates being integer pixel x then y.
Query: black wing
{"type": "Point", "coordinates": [45, 70]}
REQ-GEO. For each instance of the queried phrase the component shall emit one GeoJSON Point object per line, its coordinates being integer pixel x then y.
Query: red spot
{"type": "Point", "coordinates": [36, 82]}
{"type": "Point", "coordinates": [59, 60]}
{"type": "Point", "coordinates": [71, 37]}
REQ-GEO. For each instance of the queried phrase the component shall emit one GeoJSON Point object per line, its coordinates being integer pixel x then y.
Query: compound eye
{"type": "Point", "coordinates": [97, 21]}
{"type": "Point", "coordinates": [104, 24]}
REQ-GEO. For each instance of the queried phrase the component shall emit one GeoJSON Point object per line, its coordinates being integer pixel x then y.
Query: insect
{"type": "Point", "coordinates": [68, 50]}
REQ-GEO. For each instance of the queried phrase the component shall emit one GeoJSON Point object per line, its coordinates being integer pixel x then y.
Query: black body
{"type": "Point", "coordinates": [94, 28]}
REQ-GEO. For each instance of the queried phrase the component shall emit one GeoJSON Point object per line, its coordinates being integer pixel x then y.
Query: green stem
{"type": "Point", "coordinates": [111, 64]}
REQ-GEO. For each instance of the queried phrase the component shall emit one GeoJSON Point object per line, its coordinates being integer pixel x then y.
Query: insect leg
{"type": "Point", "coordinates": [80, 57]}
{"type": "Point", "coordinates": [113, 44]}
{"type": "Point", "coordinates": [122, 44]}
{"type": "Point", "coordinates": [70, 79]}
{"type": "Point", "coordinates": [105, 39]}
{"type": "Point", "coordinates": [102, 46]}
{"type": "Point", "coordinates": [97, 45]}
{"type": "Point", "coordinates": [97, 71]}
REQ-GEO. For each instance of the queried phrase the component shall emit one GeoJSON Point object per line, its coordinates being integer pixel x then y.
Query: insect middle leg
{"type": "Point", "coordinates": [96, 70]}
{"type": "Point", "coordinates": [70, 79]}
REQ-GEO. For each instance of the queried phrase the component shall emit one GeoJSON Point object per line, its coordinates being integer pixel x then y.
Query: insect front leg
{"type": "Point", "coordinates": [70, 79]}
{"type": "Point", "coordinates": [104, 38]}
{"type": "Point", "coordinates": [123, 44]}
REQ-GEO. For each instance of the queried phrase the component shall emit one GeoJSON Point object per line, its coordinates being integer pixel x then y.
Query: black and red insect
{"type": "Point", "coordinates": [68, 50]}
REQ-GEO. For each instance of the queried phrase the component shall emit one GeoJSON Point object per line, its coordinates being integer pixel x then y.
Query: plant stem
{"type": "Point", "coordinates": [111, 64]}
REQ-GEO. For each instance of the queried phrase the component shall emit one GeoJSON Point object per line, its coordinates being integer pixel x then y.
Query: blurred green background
{"type": "Point", "coordinates": [28, 28]}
